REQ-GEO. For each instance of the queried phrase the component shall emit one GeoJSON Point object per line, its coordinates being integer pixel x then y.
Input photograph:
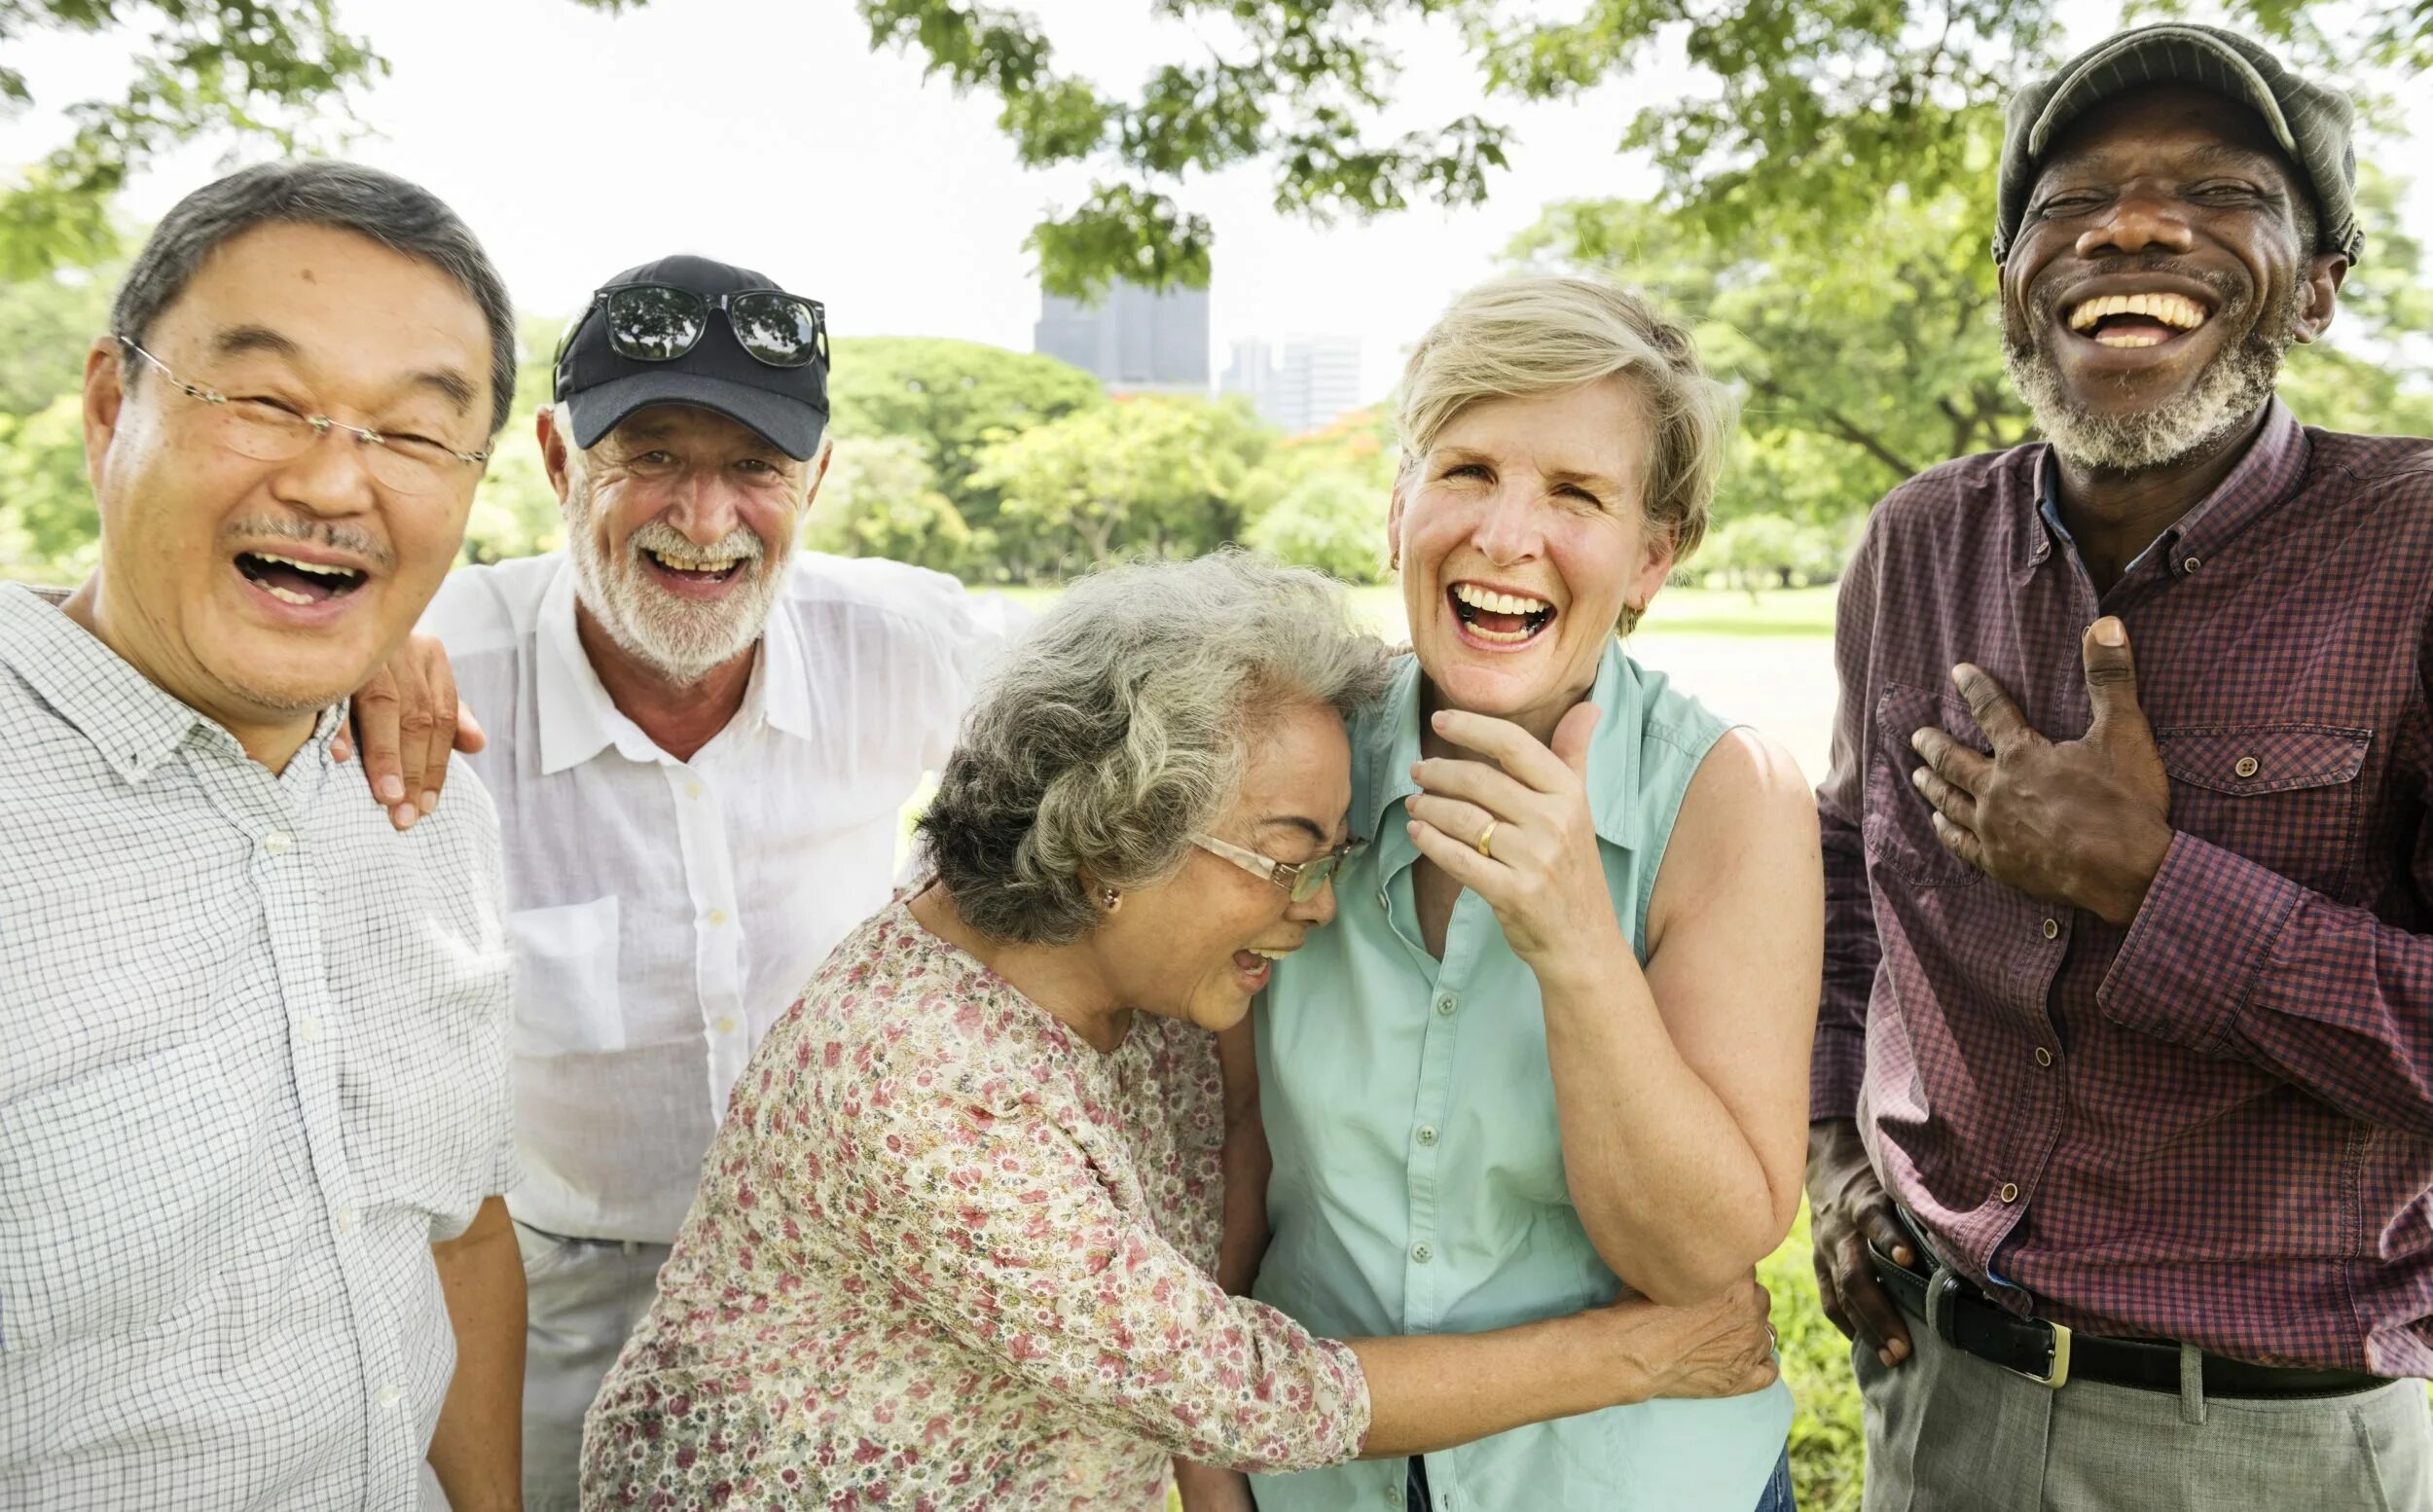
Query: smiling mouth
{"type": "Point", "coordinates": [2135, 320]}
{"type": "Point", "coordinates": [687, 568]}
{"type": "Point", "coordinates": [294, 582]}
{"type": "Point", "coordinates": [1498, 619]}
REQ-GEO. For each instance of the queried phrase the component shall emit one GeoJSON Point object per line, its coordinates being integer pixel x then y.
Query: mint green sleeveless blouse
{"type": "Point", "coordinates": [1418, 1183]}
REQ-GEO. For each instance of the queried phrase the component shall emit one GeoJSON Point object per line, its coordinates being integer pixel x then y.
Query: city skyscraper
{"type": "Point", "coordinates": [1136, 340]}
{"type": "Point", "coordinates": [1307, 384]}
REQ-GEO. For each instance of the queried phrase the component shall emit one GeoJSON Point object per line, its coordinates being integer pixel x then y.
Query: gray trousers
{"type": "Point", "coordinates": [1947, 1432]}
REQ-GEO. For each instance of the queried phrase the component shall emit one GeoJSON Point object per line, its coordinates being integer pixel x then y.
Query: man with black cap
{"type": "Point", "coordinates": [699, 742]}
{"type": "Point", "coordinates": [2123, 1076]}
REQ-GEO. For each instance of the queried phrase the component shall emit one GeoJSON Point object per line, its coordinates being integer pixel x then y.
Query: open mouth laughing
{"type": "Point", "coordinates": [2133, 321]}
{"type": "Point", "coordinates": [1496, 618]}
{"type": "Point", "coordinates": [295, 581]}
{"type": "Point", "coordinates": [695, 567]}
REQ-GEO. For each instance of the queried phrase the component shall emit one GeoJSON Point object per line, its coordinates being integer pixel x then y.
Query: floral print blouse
{"type": "Point", "coordinates": [946, 1255]}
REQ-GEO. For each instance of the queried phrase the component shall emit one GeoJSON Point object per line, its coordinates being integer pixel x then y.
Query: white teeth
{"type": "Point", "coordinates": [1497, 603]}
{"type": "Point", "coordinates": [1270, 954]}
{"type": "Point", "coordinates": [317, 569]}
{"type": "Point", "coordinates": [288, 596]}
{"type": "Point", "coordinates": [2178, 311]}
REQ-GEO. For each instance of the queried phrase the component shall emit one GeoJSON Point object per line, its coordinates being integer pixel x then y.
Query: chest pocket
{"type": "Point", "coordinates": [1899, 825]}
{"type": "Point", "coordinates": [2282, 796]}
{"type": "Point", "coordinates": [566, 991]}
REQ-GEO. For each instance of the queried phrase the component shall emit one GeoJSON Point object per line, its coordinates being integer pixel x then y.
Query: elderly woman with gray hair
{"type": "Point", "coordinates": [954, 1246]}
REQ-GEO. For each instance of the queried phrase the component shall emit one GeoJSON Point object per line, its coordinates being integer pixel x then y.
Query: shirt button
{"type": "Point", "coordinates": [309, 1029]}
{"type": "Point", "coordinates": [1427, 1133]}
{"type": "Point", "coordinates": [2246, 766]}
{"type": "Point", "coordinates": [726, 1023]}
{"type": "Point", "coordinates": [1423, 1252]}
{"type": "Point", "coordinates": [1444, 1006]}
{"type": "Point", "coordinates": [388, 1397]}
{"type": "Point", "coordinates": [717, 916]}
{"type": "Point", "coordinates": [2052, 928]}
{"type": "Point", "coordinates": [2191, 564]}
{"type": "Point", "coordinates": [2044, 1057]}
{"type": "Point", "coordinates": [278, 842]}
{"type": "Point", "coordinates": [1394, 1495]}
{"type": "Point", "coordinates": [346, 1220]}
{"type": "Point", "coordinates": [2009, 1191]}
{"type": "Point", "coordinates": [694, 789]}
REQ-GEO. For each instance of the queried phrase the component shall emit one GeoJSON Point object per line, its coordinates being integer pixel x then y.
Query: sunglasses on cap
{"type": "Point", "coordinates": [660, 322]}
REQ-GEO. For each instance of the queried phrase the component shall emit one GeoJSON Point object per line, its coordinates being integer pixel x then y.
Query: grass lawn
{"type": "Point", "coordinates": [1798, 612]}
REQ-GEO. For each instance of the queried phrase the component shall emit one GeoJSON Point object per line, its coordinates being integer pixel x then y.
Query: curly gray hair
{"type": "Point", "coordinates": [1118, 728]}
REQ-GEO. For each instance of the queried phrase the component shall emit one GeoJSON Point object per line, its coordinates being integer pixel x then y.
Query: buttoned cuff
{"type": "Point", "coordinates": [1836, 1072]}
{"type": "Point", "coordinates": [2198, 946]}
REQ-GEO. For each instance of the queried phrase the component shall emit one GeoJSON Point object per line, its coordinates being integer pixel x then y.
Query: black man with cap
{"type": "Point", "coordinates": [2123, 1076]}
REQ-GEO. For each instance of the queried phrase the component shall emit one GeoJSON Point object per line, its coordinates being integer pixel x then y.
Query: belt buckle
{"type": "Point", "coordinates": [2057, 1374]}
{"type": "Point", "coordinates": [1943, 1293]}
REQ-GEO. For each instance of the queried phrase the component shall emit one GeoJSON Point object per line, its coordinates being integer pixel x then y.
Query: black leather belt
{"type": "Point", "coordinates": [2051, 1354]}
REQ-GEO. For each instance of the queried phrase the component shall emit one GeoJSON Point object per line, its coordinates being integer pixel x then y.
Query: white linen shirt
{"type": "Point", "coordinates": [666, 912]}
{"type": "Point", "coordinates": [252, 1066]}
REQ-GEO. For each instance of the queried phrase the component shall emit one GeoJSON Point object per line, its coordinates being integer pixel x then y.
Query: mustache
{"type": "Point", "coordinates": [661, 536]}
{"type": "Point", "coordinates": [332, 534]}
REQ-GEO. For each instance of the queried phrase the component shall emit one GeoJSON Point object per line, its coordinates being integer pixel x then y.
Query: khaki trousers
{"type": "Point", "coordinates": [1947, 1432]}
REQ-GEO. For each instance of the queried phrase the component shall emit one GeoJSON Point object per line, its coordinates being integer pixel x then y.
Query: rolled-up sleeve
{"type": "Point", "coordinates": [1851, 948]}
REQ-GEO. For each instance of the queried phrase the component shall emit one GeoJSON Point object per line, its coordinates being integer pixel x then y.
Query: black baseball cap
{"type": "Point", "coordinates": [2312, 122]}
{"type": "Point", "coordinates": [597, 386]}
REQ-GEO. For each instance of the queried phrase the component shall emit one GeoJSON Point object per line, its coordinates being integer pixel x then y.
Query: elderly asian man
{"type": "Point", "coordinates": [2124, 1079]}
{"type": "Point", "coordinates": [254, 1108]}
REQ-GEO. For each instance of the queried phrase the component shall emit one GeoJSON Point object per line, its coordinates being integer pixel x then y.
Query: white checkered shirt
{"type": "Point", "coordinates": [252, 1066]}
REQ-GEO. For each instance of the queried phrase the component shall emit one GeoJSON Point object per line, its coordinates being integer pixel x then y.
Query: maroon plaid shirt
{"type": "Point", "coordinates": [2216, 1124]}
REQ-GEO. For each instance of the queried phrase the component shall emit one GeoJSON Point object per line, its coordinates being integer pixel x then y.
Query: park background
{"type": "Point", "coordinates": [1809, 183]}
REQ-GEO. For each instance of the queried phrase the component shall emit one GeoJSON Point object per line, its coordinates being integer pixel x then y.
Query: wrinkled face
{"type": "Point", "coordinates": [680, 524]}
{"type": "Point", "coordinates": [257, 591]}
{"type": "Point", "coordinates": [2159, 276]}
{"type": "Point", "coordinates": [1200, 946]}
{"type": "Point", "coordinates": [1522, 539]}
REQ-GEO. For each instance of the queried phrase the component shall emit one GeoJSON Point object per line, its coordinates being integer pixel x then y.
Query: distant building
{"type": "Point", "coordinates": [1305, 386]}
{"type": "Point", "coordinates": [1134, 341]}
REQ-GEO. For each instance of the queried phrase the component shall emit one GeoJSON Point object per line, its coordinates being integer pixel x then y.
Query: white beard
{"type": "Point", "coordinates": [682, 640]}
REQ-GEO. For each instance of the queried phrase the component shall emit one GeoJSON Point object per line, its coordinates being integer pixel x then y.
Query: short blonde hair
{"type": "Point", "coordinates": [1541, 333]}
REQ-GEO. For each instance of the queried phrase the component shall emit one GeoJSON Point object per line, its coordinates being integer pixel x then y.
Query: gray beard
{"type": "Point", "coordinates": [2234, 386]}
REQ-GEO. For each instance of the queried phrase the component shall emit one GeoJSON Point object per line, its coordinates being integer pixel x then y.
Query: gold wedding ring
{"type": "Point", "coordinates": [1485, 836]}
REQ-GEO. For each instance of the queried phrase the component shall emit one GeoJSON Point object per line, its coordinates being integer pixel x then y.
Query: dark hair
{"type": "Point", "coordinates": [404, 217]}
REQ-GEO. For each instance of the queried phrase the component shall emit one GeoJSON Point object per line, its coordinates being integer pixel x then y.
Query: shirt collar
{"type": "Point", "coordinates": [133, 723]}
{"type": "Point", "coordinates": [1386, 739]}
{"type": "Point", "coordinates": [2267, 474]}
{"type": "Point", "coordinates": [578, 719]}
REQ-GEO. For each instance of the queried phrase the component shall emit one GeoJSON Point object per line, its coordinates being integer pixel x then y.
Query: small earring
{"type": "Point", "coordinates": [1630, 617]}
{"type": "Point", "coordinates": [1111, 898]}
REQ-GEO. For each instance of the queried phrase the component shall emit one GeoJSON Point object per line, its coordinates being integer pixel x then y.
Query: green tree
{"type": "Point", "coordinates": [1154, 475]}
{"type": "Point", "coordinates": [48, 528]}
{"type": "Point", "coordinates": [51, 319]}
{"type": "Point", "coordinates": [1797, 116]}
{"type": "Point", "coordinates": [882, 499]}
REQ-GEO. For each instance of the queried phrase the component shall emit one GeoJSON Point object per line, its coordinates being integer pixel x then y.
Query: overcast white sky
{"type": "Point", "coordinates": [767, 133]}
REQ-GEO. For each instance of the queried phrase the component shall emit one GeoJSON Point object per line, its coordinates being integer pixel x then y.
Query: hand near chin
{"type": "Point", "coordinates": [1515, 829]}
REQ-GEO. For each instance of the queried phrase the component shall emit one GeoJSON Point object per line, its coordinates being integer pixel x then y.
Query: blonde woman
{"type": "Point", "coordinates": [1554, 1047]}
